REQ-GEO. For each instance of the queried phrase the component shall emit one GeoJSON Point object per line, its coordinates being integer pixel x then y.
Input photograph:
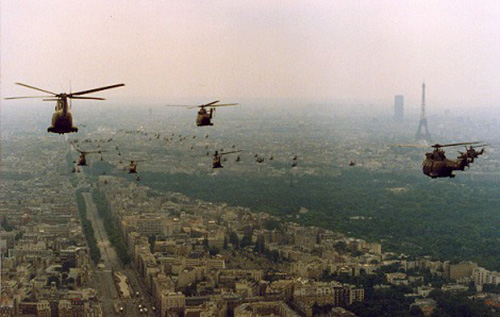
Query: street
{"type": "Point", "coordinates": [103, 276]}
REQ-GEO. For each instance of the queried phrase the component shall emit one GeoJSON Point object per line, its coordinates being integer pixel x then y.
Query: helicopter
{"type": "Point", "coordinates": [471, 152]}
{"type": "Point", "coordinates": [132, 168]}
{"type": "Point", "coordinates": [204, 117]}
{"type": "Point", "coordinates": [62, 120]}
{"type": "Point", "coordinates": [437, 165]}
{"type": "Point", "coordinates": [82, 161]}
{"type": "Point", "coordinates": [217, 156]}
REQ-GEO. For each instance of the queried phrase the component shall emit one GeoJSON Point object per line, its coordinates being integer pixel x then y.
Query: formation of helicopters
{"type": "Point", "coordinates": [435, 165]}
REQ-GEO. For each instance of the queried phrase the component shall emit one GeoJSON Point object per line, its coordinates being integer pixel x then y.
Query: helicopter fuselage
{"type": "Point", "coordinates": [204, 117]}
{"type": "Point", "coordinates": [62, 120]}
{"type": "Point", "coordinates": [82, 161]}
{"type": "Point", "coordinates": [442, 167]}
{"type": "Point", "coordinates": [216, 162]}
{"type": "Point", "coordinates": [132, 169]}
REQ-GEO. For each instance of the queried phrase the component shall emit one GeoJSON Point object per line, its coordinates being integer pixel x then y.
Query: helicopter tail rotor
{"type": "Point", "coordinates": [70, 100]}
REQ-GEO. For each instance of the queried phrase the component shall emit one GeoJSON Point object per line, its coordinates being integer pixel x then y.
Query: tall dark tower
{"type": "Point", "coordinates": [399, 103]}
{"type": "Point", "coordinates": [423, 130]}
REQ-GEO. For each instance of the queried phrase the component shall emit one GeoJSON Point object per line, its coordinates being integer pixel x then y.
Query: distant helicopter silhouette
{"type": "Point", "coordinates": [216, 161]}
{"type": "Point", "coordinates": [132, 168]}
{"type": "Point", "coordinates": [62, 120]}
{"type": "Point", "coordinates": [82, 161]}
{"type": "Point", "coordinates": [204, 117]}
{"type": "Point", "coordinates": [471, 152]}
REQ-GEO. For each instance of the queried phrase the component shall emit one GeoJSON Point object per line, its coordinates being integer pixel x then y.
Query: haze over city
{"type": "Point", "coordinates": [329, 51]}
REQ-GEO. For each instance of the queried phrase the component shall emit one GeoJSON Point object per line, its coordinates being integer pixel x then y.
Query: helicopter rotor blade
{"type": "Point", "coordinates": [209, 104]}
{"type": "Point", "coordinates": [91, 98]}
{"type": "Point", "coordinates": [409, 145]}
{"type": "Point", "coordinates": [479, 145]}
{"type": "Point", "coordinates": [203, 106]}
{"type": "Point", "coordinates": [39, 89]}
{"type": "Point", "coordinates": [454, 144]}
{"type": "Point", "coordinates": [94, 90]}
{"type": "Point", "coordinates": [24, 97]}
{"type": "Point", "coordinates": [226, 105]}
{"type": "Point", "coordinates": [70, 91]}
{"type": "Point", "coordinates": [223, 153]}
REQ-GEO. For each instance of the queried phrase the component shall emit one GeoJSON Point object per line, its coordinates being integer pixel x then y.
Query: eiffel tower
{"type": "Point", "coordinates": [423, 130]}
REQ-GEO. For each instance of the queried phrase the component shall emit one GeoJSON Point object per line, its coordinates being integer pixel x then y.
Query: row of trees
{"type": "Point", "coordinates": [88, 230]}
{"type": "Point", "coordinates": [455, 220]}
{"type": "Point", "coordinates": [394, 300]}
{"type": "Point", "coordinates": [113, 232]}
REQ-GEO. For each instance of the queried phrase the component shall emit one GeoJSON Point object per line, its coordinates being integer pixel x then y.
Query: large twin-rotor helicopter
{"type": "Point", "coordinates": [62, 120]}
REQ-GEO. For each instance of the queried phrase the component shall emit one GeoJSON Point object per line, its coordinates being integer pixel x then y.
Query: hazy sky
{"type": "Point", "coordinates": [169, 51]}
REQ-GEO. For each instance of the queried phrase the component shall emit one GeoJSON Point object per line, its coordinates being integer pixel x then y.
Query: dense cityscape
{"type": "Point", "coordinates": [96, 241]}
{"type": "Point", "coordinates": [186, 158]}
